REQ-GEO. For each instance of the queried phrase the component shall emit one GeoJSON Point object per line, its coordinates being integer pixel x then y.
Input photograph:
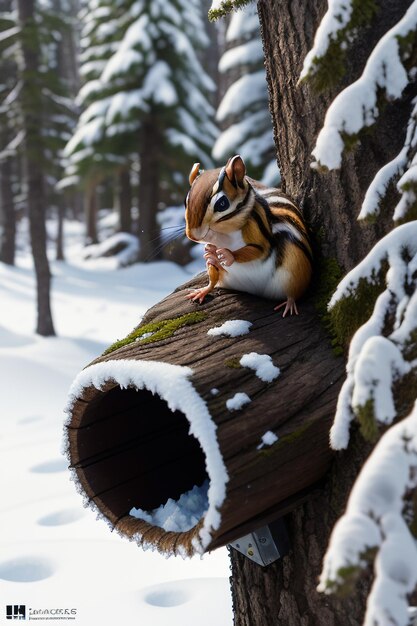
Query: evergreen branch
{"type": "Point", "coordinates": [386, 75]}
{"type": "Point", "coordinates": [221, 8]}
{"type": "Point", "coordinates": [401, 165]}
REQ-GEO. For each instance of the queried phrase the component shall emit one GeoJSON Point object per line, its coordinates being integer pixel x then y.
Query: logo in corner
{"type": "Point", "coordinates": [15, 611]}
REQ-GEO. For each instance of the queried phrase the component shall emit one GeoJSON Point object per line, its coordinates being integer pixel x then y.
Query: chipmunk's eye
{"type": "Point", "coordinates": [221, 204]}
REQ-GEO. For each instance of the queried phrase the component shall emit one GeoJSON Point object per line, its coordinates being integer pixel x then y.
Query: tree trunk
{"type": "Point", "coordinates": [285, 592]}
{"type": "Point", "coordinates": [8, 214]}
{"type": "Point", "coordinates": [60, 256]}
{"type": "Point", "coordinates": [91, 211]}
{"type": "Point", "coordinates": [125, 201]}
{"type": "Point", "coordinates": [148, 195]}
{"type": "Point", "coordinates": [32, 114]}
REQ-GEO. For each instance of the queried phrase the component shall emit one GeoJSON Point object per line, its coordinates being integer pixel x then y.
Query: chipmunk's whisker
{"type": "Point", "coordinates": [163, 244]}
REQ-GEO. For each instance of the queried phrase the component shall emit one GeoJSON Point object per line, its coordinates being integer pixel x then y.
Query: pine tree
{"type": "Point", "coordinates": [90, 156]}
{"type": "Point", "coordinates": [8, 31]}
{"type": "Point", "coordinates": [364, 164]}
{"type": "Point", "coordinates": [151, 98]}
{"type": "Point", "coordinates": [244, 111]}
{"type": "Point", "coordinates": [36, 116]}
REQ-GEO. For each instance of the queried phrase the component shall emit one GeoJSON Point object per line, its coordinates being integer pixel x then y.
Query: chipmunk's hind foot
{"type": "Point", "coordinates": [290, 307]}
{"type": "Point", "coordinates": [198, 295]}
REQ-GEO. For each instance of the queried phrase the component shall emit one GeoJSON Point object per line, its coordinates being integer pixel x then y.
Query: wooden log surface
{"type": "Point", "coordinates": [264, 482]}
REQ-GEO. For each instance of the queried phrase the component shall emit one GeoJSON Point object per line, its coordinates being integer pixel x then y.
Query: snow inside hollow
{"type": "Point", "coordinates": [178, 515]}
{"type": "Point", "coordinates": [231, 328]}
{"type": "Point", "coordinates": [262, 364]}
{"type": "Point", "coordinates": [173, 385]}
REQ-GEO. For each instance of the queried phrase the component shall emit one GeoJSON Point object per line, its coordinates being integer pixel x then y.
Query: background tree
{"type": "Point", "coordinates": [36, 117]}
{"type": "Point", "coordinates": [91, 157]}
{"type": "Point", "coordinates": [8, 30]}
{"type": "Point", "coordinates": [244, 111]}
{"type": "Point", "coordinates": [152, 98]}
{"type": "Point", "coordinates": [372, 49]}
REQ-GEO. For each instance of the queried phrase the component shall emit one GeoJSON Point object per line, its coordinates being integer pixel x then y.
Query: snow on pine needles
{"type": "Point", "coordinates": [356, 106]}
{"type": "Point", "coordinates": [374, 521]}
{"type": "Point", "coordinates": [376, 362]}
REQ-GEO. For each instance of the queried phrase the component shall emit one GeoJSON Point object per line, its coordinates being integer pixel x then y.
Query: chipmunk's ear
{"type": "Point", "coordinates": [236, 170]}
{"type": "Point", "coordinates": [195, 170]}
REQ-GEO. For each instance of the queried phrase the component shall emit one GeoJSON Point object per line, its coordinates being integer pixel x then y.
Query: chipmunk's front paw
{"type": "Point", "coordinates": [290, 307]}
{"type": "Point", "coordinates": [225, 256]}
{"type": "Point", "coordinates": [198, 295]}
{"type": "Point", "coordinates": [212, 259]}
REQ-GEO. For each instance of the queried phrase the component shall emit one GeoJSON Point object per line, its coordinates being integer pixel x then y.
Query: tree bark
{"type": "Point", "coordinates": [60, 255]}
{"type": "Point", "coordinates": [125, 201]}
{"type": "Point", "coordinates": [8, 214]}
{"type": "Point", "coordinates": [32, 115]}
{"type": "Point", "coordinates": [285, 592]}
{"type": "Point", "coordinates": [148, 195]}
{"type": "Point", "coordinates": [91, 211]}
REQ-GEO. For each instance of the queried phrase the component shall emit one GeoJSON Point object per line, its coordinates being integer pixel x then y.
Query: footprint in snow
{"type": "Point", "coordinates": [26, 569]}
{"type": "Point", "coordinates": [60, 518]}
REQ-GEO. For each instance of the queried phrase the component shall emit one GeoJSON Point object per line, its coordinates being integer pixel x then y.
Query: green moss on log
{"type": "Point", "coordinates": [233, 363]}
{"type": "Point", "coordinates": [157, 331]}
{"type": "Point", "coordinates": [285, 440]}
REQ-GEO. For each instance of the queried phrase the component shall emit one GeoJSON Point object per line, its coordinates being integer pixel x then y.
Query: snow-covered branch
{"type": "Point", "coordinates": [404, 164]}
{"type": "Point", "coordinates": [324, 63]}
{"type": "Point", "coordinates": [220, 8]}
{"type": "Point", "coordinates": [376, 362]}
{"type": "Point", "coordinates": [374, 522]}
{"type": "Point", "coordinates": [357, 106]}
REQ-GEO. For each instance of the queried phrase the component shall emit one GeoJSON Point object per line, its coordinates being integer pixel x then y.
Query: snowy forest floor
{"type": "Point", "coordinates": [54, 553]}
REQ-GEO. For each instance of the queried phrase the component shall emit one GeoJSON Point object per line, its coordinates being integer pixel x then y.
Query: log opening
{"type": "Point", "coordinates": [140, 459]}
{"type": "Point", "coordinates": [138, 453]}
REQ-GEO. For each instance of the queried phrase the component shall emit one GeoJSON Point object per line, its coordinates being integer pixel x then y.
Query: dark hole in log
{"type": "Point", "coordinates": [134, 451]}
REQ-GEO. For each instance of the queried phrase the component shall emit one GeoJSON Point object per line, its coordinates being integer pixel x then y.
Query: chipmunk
{"type": "Point", "coordinates": [256, 239]}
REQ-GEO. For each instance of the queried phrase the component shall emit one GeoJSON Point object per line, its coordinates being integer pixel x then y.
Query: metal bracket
{"type": "Point", "coordinates": [264, 545]}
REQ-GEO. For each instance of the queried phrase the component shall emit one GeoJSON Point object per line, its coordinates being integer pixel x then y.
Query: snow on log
{"type": "Point", "coordinates": [155, 447]}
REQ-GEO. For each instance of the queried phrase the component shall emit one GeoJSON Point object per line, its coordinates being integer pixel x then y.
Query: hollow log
{"type": "Point", "coordinates": [148, 420]}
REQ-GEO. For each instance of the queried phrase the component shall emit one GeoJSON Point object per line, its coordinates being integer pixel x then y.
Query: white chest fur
{"type": "Point", "coordinates": [261, 278]}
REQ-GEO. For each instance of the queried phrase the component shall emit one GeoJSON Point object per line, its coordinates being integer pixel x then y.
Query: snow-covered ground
{"type": "Point", "coordinates": [54, 554]}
